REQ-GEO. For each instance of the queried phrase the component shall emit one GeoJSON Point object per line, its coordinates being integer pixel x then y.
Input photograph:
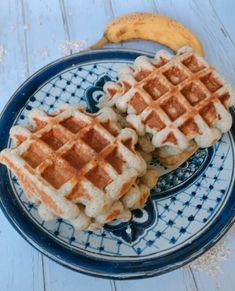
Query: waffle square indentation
{"type": "Point", "coordinates": [175, 75]}
{"type": "Point", "coordinates": [155, 88]}
{"type": "Point", "coordinates": [78, 156]}
{"type": "Point", "coordinates": [34, 156]}
{"type": "Point", "coordinates": [138, 103]}
{"type": "Point", "coordinates": [209, 113]}
{"type": "Point", "coordinates": [95, 140]}
{"type": "Point", "coordinates": [193, 93]}
{"type": "Point", "coordinates": [54, 138]}
{"type": "Point", "coordinates": [57, 174]}
{"type": "Point", "coordinates": [173, 108]}
{"type": "Point", "coordinates": [99, 177]}
{"type": "Point", "coordinates": [189, 127]}
{"type": "Point", "coordinates": [193, 64]}
{"type": "Point", "coordinates": [211, 82]}
{"type": "Point", "coordinates": [73, 124]}
{"type": "Point", "coordinates": [108, 126]}
{"type": "Point", "coordinates": [225, 99]}
{"type": "Point", "coordinates": [115, 159]}
{"type": "Point", "coordinates": [139, 76]}
{"type": "Point", "coordinates": [154, 121]}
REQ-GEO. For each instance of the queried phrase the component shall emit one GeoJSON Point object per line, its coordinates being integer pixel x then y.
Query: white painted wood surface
{"type": "Point", "coordinates": [31, 32]}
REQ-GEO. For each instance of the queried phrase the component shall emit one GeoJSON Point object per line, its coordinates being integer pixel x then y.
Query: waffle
{"type": "Point", "coordinates": [174, 99]}
{"type": "Point", "coordinates": [174, 160]}
{"type": "Point", "coordinates": [78, 166]}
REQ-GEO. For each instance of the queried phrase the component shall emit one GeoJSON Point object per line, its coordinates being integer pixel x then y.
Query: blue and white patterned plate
{"type": "Point", "coordinates": [190, 207]}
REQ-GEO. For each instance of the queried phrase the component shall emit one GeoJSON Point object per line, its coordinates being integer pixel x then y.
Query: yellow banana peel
{"type": "Point", "coordinates": [150, 26]}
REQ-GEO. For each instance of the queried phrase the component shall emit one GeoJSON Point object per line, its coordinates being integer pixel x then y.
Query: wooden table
{"type": "Point", "coordinates": [32, 34]}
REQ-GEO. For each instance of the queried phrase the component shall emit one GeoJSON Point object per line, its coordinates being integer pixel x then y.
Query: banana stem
{"type": "Point", "coordinates": [100, 43]}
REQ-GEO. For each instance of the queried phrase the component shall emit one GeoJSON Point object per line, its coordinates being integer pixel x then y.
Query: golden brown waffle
{"type": "Point", "coordinates": [174, 99]}
{"type": "Point", "coordinates": [175, 160]}
{"type": "Point", "coordinates": [79, 166]}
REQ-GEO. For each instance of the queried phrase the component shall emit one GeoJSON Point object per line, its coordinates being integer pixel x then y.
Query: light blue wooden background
{"type": "Point", "coordinates": [31, 32]}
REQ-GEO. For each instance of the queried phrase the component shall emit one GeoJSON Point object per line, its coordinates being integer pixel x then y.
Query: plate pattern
{"type": "Point", "coordinates": [184, 202]}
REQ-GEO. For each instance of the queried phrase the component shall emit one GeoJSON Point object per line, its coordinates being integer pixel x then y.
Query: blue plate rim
{"type": "Point", "coordinates": [103, 268]}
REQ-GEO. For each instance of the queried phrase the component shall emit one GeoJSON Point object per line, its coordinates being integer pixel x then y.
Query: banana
{"type": "Point", "coordinates": [150, 26]}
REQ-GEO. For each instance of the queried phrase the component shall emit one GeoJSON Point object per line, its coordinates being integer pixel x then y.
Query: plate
{"type": "Point", "coordinates": [189, 210]}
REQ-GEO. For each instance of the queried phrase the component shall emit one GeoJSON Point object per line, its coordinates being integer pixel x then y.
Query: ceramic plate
{"type": "Point", "coordinates": [189, 210]}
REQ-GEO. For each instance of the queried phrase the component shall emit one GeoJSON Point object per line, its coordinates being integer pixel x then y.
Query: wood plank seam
{"type": "Point", "coordinates": [113, 285]}
{"type": "Point", "coordinates": [194, 279]}
{"type": "Point", "coordinates": [113, 15]}
{"type": "Point", "coordinates": [65, 21]}
{"type": "Point", "coordinates": [155, 6]}
{"type": "Point", "coordinates": [223, 28]}
{"type": "Point", "coordinates": [25, 37]}
{"type": "Point", "coordinates": [25, 27]}
{"type": "Point", "coordinates": [111, 8]}
{"type": "Point", "coordinates": [43, 273]}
